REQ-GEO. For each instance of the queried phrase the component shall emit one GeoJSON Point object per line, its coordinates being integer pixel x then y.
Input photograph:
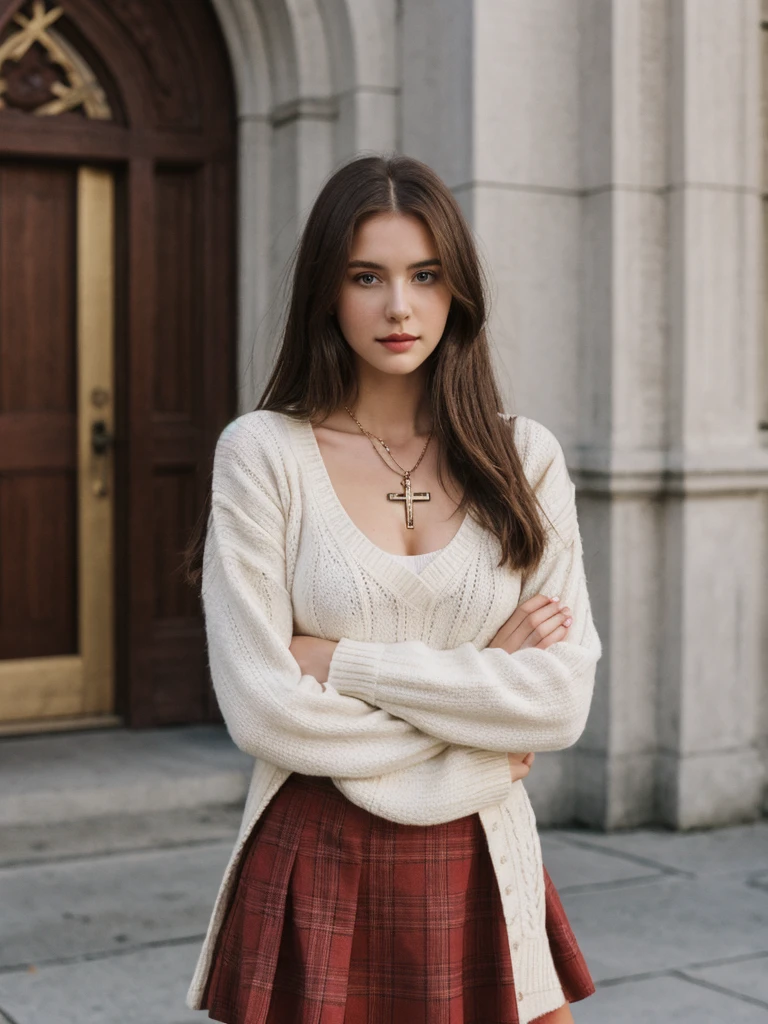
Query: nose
{"type": "Point", "coordinates": [398, 307]}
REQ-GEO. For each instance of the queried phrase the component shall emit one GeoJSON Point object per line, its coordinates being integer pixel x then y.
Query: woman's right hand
{"type": "Point", "coordinates": [537, 622]}
{"type": "Point", "coordinates": [520, 765]}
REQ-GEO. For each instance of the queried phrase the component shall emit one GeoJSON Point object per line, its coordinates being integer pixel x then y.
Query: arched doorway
{"type": "Point", "coordinates": [117, 352]}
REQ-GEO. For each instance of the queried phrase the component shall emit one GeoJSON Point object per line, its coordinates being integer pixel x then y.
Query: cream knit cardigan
{"type": "Point", "coordinates": [418, 714]}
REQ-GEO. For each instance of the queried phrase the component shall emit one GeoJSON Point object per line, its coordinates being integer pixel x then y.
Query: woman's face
{"type": "Point", "coordinates": [393, 285]}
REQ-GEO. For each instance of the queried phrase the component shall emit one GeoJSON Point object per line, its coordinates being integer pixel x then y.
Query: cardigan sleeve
{"type": "Point", "coordinates": [272, 710]}
{"type": "Point", "coordinates": [531, 699]}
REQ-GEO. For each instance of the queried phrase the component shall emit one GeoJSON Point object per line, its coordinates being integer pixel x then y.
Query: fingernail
{"type": "Point", "coordinates": [555, 598]}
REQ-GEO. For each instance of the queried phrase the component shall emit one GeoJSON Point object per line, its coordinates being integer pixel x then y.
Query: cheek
{"type": "Point", "coordinates": [438, 304]}
{"type": "Point", "coordinates": [356, 312]}
{"type": "Point", "coordinates": [354, 306]}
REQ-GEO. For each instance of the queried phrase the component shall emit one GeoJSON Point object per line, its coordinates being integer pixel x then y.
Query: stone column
{"type": "Point", "coordinates": [714, 569]}
{"type": "Point", "coordinates": [606, 153]}
{"type": "Point", "coordinates": [672, 462]}
{"type": "Point", "coordinates": [623, 372]}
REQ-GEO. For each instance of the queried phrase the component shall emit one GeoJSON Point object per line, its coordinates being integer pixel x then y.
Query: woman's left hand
{"type": "Point", "coordinates": [313, 655]}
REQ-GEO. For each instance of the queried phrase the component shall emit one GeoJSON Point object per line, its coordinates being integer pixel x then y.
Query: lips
{"type": "Point", "coordinates": [398, 337]}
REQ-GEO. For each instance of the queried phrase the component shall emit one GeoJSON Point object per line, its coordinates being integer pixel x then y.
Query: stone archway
{"type": "Point", "coordinates": [304, 106]}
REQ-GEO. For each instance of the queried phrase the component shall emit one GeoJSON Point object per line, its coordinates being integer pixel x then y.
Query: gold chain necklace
{"type": "Point", "coordinates": [408, 496]}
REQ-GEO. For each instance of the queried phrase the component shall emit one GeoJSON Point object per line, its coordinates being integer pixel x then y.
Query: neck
{"type": "Point", "coordinates": [392, 406]}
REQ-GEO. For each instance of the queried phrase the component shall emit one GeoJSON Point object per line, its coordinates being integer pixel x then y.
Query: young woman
{"type": "Point", "coordinates": [397, 619]}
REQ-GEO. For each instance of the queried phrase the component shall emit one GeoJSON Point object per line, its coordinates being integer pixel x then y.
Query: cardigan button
{"type": "Point", "coordinates": [515, 946]}
{"type": "Point", "coordinates": [495, 826]}
{"type": "Point", "coordinates": [508, 890]}
{"type": "Point", "coordinates": [520, 996]}
{"type": "Point", "coordinates": [503, 858]}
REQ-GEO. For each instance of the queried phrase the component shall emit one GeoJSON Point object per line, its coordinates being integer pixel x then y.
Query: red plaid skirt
{"type": "Point", "coordinates": [338, 916]}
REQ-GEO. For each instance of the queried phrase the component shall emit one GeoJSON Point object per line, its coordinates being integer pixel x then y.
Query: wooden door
{"type": "Point", "coordinates": [56, 403]}
{"type": "Point", "coordinates": [117, 355]}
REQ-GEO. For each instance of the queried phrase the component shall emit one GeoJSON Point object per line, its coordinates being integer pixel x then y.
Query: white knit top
{"type": "Point", "coordinates": [418, 713]}
{"type": "Point", "coordinates": [416, 562]}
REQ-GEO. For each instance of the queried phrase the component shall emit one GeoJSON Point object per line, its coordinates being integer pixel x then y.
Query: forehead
{"type": "Point", "coordinates": [399, 236]}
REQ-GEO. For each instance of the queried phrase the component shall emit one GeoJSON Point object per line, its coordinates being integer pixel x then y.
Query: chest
{"type": "Point", "coordinates": [344, 580]}
{"type": "Point", "coordinates": [372, 494]}
{"type": "Point", "coordinates": [344, 585]}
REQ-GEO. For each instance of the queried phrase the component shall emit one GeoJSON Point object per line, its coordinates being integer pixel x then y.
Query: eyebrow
{"type": "Point", "coordinates": [369, 264]}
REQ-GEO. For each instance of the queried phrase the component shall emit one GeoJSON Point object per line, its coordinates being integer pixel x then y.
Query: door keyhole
{"type": "Point", "coordinates": [101, 443]}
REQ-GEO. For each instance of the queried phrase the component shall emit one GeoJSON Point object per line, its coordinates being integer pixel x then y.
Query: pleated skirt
{"type": "Point", "coordinates": [338, 916]}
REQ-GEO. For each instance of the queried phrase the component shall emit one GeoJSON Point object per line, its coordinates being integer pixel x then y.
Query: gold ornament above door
{"type": "Point", "coordinates": [42, 72]}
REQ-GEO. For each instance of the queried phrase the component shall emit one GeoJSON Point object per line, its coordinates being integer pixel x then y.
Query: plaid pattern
{"type": "Point", "coordinates": [338, 916]}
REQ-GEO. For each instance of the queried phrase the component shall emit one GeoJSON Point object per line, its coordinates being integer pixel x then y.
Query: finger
{"type": "Point", "coordinates": [550, 611]}
{"type": "Point", "coordinates": [547, 619]}
{"type": "Point", "coordinates": [537, 601]}
{"type": "Point", "coordinates": [554, 637]}
{"type": "Point", "coordinates": [519, 771]}
{"type": "Point", "coordinates": [519, 625]}
{"type": "Point", "coordinates": [535, 605]}
{"type": "Point", "coordinates": [535, 628]}
{"type": "Point", "coordinates": [517, 631]}
{"type": "Point", "coordinates": [517, 617]}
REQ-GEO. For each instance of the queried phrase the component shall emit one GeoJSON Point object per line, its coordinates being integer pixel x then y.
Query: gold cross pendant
{"type": "Point", "coordinates": [409, 497]}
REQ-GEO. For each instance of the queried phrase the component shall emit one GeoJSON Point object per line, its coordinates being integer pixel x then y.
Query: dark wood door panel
{"type": "Point", "coordinates": [37, 440]}
{"type": "Point", "coordinates": [38, 351]}
{"type": "Point", "coordinates": [183, 395]}
{"type": "Point", "coordinates": [37, 288]}
{"type": "Point", "coordinates": [180, 294]}
{"type": "Point", "coordinates": [38, 567]}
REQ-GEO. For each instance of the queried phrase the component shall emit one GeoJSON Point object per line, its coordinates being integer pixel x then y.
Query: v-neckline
{"type": "Point", "coordinates": [439, 569]}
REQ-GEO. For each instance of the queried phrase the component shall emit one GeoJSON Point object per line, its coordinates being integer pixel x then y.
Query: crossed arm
{"type": "Point", "coordinates": [538, 622]}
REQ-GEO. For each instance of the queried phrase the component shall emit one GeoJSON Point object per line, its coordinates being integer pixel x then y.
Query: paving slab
{"type": "Point", "coordinates": [745, 977]}
{"type": "Point", "coordinates": [734, 850]}
{"type": "Point", "coordinates": [670, 1000]}
{"type": "Point", "coordinates": [667, 923]}
{"type": "Point", "coordinates": [574, 868]}
{"type": "Point", "coordinates": [105, 904]}
{"type": "Point", "coordinates": [92, 773]}
{"type": "Point", "coordinates": [117, 833]}
{"type": "Point", "coordinates": [144, 987]}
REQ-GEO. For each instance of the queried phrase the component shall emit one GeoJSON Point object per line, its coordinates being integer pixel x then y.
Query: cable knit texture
{"type": "Point", "coordinates": [418, 714]}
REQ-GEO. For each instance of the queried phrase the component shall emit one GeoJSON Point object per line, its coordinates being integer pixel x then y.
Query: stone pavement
{"type": "Point", "coordinates": [102, 913]}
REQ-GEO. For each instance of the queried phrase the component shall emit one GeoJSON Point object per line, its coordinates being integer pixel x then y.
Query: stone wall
{"type": "Point", "coordinates": [608, 156]}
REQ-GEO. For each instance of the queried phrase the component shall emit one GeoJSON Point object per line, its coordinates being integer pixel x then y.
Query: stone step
{"type": "Point", "coordinates": [63, 777]}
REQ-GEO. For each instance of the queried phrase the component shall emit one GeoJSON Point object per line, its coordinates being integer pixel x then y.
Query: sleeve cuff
{"type": "Point", "coordinates": [494, 782]}
{"type": "Point", "coordinates": [354, 668]}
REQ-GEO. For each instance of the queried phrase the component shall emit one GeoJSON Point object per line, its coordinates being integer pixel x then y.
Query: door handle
{"type": "Point", "coordinates": [101, 444]}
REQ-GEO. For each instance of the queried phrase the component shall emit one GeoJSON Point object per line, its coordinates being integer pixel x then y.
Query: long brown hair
{"type": "Point", "coordinates": [314, 373]}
